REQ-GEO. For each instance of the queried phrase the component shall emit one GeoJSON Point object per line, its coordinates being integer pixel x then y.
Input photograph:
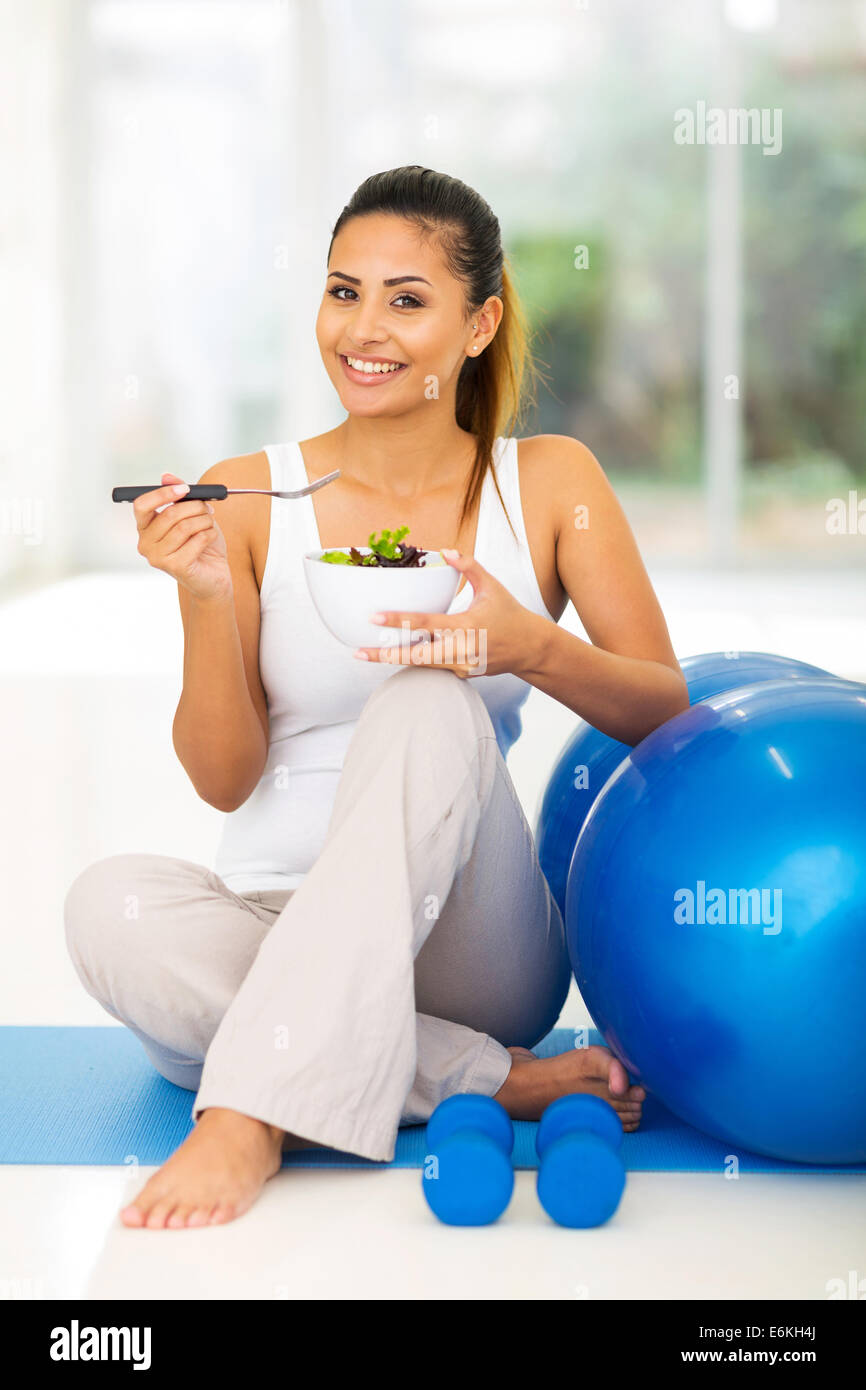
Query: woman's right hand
{"type": "Point", "coordinates": [184, 540]}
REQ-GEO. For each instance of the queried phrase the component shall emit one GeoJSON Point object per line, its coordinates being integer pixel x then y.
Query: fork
{"type": "Point", "coordinates": [217, 492]}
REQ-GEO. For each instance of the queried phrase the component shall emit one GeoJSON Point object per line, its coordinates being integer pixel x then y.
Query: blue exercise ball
{"type": "Point", "coordinates": [716, 916]}
{"type": "Point", "coordinates": [589, 757]}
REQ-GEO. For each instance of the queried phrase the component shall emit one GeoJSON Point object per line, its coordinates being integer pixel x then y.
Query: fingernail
{"type": "Point", "coordinates": [451, 554]}
{"type": "Point", "coordinates": [378, 618]}
{"type": "Point", "coordinates": [180, 488]}
{"type": "Point", "coordinates": [209, 507]}
{"type": "Point", "coordinates": [361, 656]}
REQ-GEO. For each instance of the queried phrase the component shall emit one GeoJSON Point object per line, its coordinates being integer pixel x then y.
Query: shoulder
{"type": "Point", "coordinates": [243, 470]}
{"type": "Point", "coordinates": [558, 473]}
{"type": "Point", "coordinates": [242, 520]}
{"type": "Point", "coordinates": [555, 454]}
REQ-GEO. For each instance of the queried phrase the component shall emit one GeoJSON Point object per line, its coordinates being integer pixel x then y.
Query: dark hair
{"type": "Point", "coordinates": [491, 389]}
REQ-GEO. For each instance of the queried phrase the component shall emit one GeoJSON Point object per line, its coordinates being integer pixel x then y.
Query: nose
{"type": "Point", "coordinates": [366, 326]}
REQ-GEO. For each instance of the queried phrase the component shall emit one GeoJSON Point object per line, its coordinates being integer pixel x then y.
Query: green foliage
{"type": "Point", "coordinates": [388, 543]}
{"type": "Point", "coordinates": [620, 341]}
{"type": "Point", "coordinates": [387, 551]}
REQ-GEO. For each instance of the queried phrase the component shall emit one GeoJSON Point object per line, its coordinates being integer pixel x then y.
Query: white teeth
{"type": "Point", "coordinates": [370, 367]}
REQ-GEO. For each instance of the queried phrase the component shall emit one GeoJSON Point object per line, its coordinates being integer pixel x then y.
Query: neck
{"type": "Point", "coordinates": [396, 455]}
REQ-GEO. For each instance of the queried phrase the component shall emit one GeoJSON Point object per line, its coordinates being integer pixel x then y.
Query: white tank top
{"type": "Point", "coordinates": [316, 689]}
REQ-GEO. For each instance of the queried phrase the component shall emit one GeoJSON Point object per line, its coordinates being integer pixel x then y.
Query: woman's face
{"type": "Point", "coordinates": [390, 299]}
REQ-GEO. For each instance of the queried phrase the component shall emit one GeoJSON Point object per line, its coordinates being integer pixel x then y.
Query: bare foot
{"type": "Point", "coordinates": [215, 1175]}
{"type": "Point", "coordinates": [534, 1082]}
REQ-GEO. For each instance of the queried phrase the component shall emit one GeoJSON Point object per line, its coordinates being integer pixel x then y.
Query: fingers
{"type": "Point", "coordinates": [416, 622]}
{"type": "Point", "coordinates": [435, 653]}
{"type": "Point", "coordinates": [179, 560]}
{"type": "Point", "coordinates": [166, 521]}
{"type": "Point", "coordinates": [394, 656]}
{"type": "Point", "coordinates": [144, 507]}
{"type": "Point", "coordinates": [465, 564]}
{"type": "Point", "coordinates": [173, 533]}
{"type": "Point", "coordinates": [183, 531]}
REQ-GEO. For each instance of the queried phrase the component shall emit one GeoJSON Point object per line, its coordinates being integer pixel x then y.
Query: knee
{"type": "Point", "coordinates": [431, 695]}
{"type": "Point", "coordinates": [99, 903]}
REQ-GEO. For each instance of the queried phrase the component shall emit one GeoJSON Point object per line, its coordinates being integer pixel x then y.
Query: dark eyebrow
{"type": "Point", "coordinates": [399, 280]}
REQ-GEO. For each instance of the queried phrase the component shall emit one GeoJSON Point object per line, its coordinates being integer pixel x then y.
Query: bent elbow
{"type": "Point", "coordinates": [226, 804]}
{"type": "Point", "coordinates": [221, 798]}
{"type": "Point", "coordinates": [679, 702]}
{"type": "Point", "coordinates": [683, 701]}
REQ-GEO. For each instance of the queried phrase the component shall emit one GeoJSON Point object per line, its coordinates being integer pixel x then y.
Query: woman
{"type": "Point", "coordinates": [377, 934]}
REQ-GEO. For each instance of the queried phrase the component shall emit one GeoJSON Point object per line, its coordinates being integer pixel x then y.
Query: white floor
{"type": "Point", "coordinates": [90, 679]}
{"type": "Point", "coordinates": [369, 1235]}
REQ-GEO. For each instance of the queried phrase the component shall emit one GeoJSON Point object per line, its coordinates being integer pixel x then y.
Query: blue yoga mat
{"type": "Point", "coordinates": [90, 1095]}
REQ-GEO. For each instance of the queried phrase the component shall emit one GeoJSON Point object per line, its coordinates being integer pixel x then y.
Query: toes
{"type": "Point", "coordinates": [188, 1216]}
{"type": "Point", "coordinates": [199, 1216]}
{"type": "Point", "coordinates": [629, 1113]}
{"type": "Point", "coordinates": [609, 1070]}
{"type": "Point", "coordinates": [617, 1078]}
{"type": "Point", "coordinates": [137, 1211]}
{"type": "Point", "coordinates": [179, 1217]}
{"type": "Point", "coordinates": [132, 1215]}
{"type": "Point", "coordinates": [159, 1214]}
{"type": "Point", "coordinates": [222, 1212]}
{"type": "Point", "coordinates": [602, 1089]}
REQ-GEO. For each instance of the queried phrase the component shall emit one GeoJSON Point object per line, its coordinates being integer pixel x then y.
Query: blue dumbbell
{"type": "Point", "coordinates": [581, 1175]}
{"type": "Point", "coordinates": [468, 1177]}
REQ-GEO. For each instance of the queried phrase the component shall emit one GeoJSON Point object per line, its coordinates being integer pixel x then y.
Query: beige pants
{"type": "Point", "coordinates": [422, 943]}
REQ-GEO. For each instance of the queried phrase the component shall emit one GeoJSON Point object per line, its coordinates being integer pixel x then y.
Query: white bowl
{"type": "Point", "coordinates": [346, 596]}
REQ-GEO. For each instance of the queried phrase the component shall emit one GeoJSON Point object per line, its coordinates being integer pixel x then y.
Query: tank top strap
{"type": "Point", "coordinates": [498, 535]}
{"type": "Point", "coordinates": [293, 529]}
{"type": "Point", "coordinates": [508, 478]}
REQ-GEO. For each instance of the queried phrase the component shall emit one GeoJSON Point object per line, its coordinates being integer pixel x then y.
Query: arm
{"type": "Point", "coordinates": [626, 680]}
{"type": "Point", "coordinates": [220, 731]}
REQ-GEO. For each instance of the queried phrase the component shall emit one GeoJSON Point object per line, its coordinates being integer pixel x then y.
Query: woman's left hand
{"type": "Point", "coordinates": [490, 637]}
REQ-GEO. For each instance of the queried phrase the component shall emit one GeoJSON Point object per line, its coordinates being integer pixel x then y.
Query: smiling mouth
{"type": "Point", "coordinates": [370, 372]}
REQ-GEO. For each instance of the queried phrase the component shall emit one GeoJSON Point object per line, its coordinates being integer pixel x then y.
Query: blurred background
{"type": "Point", "coordinates": [171, 173]}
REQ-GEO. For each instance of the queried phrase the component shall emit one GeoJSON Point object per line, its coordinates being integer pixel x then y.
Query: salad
{"type": "Point", "coordinates": [388, 552]}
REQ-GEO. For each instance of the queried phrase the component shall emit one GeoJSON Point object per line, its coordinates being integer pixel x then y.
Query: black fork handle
{"type": "Point", "coordinates": [198, 492]}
